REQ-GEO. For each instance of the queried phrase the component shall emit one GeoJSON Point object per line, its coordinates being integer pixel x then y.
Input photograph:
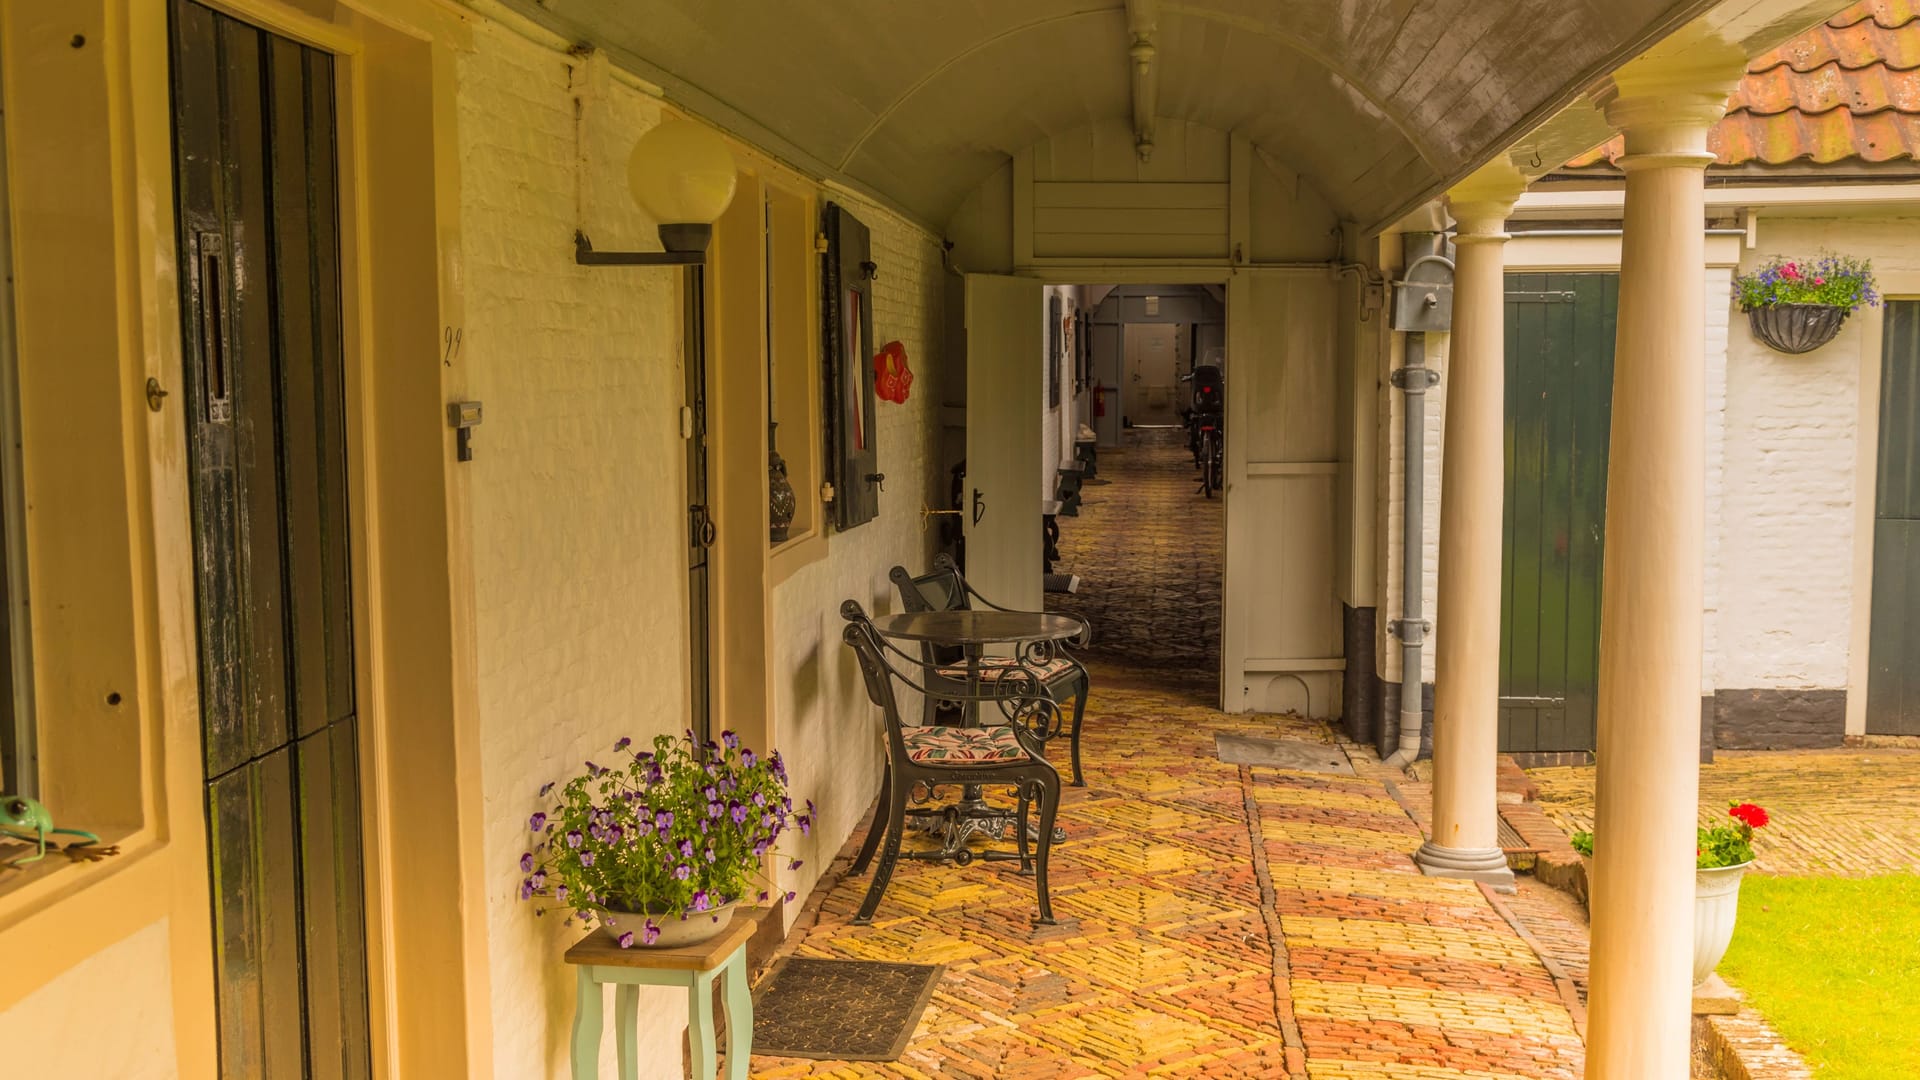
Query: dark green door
{"type": "Point", "coordinates": [1559, 401]}
{"type": "Point", "coordinates": [265, 401]}
{"type": "Point", "coordinates": [1893, 651]}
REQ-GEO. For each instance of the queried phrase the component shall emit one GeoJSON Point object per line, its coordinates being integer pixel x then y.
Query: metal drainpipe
{"type": "Point", "coordinates": [1414, 379]}
{"type": "Point", "coordinates": [1422, 304]}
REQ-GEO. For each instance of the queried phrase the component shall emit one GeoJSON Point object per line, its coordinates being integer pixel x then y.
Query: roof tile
{"type": "Point", "coordinates": [1848, 89]}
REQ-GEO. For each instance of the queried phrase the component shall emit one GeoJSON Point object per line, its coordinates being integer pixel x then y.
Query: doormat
{"type": "Point", "coordinates": [1296, 754]}
{"type": "Point", "coordinates": [840, 1010]}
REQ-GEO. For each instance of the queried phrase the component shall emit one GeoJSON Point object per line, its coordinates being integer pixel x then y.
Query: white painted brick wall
{"type": "Point", "coordinates": [1786, 533]}
{"type": "Point", "coordinates": [823, 722]}
{"type": "Point", "coordinates": [580, 591]}
{"type": "Point", "coordinates": [579, 588]}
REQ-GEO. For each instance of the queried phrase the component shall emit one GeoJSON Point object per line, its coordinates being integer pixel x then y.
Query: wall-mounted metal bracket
{"type": "Point", "coordinates": [1414, 380]}
{"type": "Point", "coordinates": [1410, 631]}
{"type": "Point", "coordinates": [686, 245]}
{"type": "Point", "coordinates": [1423, 298]}
{"type": "Point", "coordinates": [463, 417]}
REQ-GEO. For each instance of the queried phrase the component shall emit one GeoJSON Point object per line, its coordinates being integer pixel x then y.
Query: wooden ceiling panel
{"type": "Point", "coordinates": [920, 102]}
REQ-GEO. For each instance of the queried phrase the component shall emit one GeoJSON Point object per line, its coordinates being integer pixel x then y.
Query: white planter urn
{"type": "Point", "coordinates": [1716, 903]}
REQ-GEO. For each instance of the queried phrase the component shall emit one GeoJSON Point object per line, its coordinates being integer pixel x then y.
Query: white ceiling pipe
{"type": "Point", "coordinates": [1143, 24]}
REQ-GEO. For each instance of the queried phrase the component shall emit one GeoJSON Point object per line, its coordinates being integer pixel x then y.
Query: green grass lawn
{"type": "Point", "coordinates": [1833, 963]}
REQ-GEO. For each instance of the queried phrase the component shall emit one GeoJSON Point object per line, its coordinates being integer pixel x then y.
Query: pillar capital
{"type": "Point", "coordinates": [1665, 103]}
{"type": "Point", "coordinates": [1481, 203]}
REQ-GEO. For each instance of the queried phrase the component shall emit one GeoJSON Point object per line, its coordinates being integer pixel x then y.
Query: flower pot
{"type": "Point", "coordinates": [1716, 903]}
{"type": "Point", "coordinates": [675, 932]}
{"type": "Point", "coordinates": [1796, 328]}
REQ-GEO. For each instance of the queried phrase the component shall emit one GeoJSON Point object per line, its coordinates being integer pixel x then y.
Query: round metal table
{"type": "Point", "coordinates": [973, 632]}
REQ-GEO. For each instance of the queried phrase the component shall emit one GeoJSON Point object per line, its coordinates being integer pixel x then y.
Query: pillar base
{"type": "Point", "coordinates": [1486, 865]}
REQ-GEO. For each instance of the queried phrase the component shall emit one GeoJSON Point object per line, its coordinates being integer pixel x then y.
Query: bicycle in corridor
{"type": "Point", "coordinates": [1206, 429]}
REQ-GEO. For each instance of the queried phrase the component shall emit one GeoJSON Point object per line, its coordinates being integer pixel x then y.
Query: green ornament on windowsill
{"type": "Point", "coordinates": [29, 822]}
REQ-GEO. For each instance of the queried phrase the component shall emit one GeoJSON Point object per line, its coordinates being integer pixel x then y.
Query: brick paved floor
{"type": "Point", "coordinates": [1847, 812]}
{"type": "Point", "coordinates": [1213, 920]}
{"type": "Point", "coordinates": [1148, 549]}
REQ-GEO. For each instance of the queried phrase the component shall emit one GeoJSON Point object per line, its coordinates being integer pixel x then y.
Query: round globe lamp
{"type": "Point", "coordinates": [683, 176]}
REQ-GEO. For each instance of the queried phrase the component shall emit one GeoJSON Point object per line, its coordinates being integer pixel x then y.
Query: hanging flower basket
{"type": "Point", "coordinates": [1796, 306]}
{"type": "Point", "coordinates": [1796, 328]}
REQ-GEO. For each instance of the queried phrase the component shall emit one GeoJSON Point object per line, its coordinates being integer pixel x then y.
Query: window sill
{"type": "Point", "coordinates": [23, 889]}
{"type": "Point", "coordinates": [792, 554]}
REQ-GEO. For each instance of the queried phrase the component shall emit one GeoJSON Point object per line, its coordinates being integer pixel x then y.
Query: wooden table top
{"type": "Point", "coordinates": [979, 627]}
{"type": "Point", "coordinates": [598, 949]}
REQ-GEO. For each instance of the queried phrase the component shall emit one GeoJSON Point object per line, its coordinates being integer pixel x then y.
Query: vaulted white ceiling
{"type": "Point", "coordinates": [1377, 102]}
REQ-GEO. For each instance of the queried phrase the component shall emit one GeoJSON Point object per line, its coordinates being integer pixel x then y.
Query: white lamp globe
{"type": "Point", "coordinates": [681, 174]}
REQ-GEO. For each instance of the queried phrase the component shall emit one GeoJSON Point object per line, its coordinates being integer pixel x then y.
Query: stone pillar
{"type": "Point", "coordinates": [1466, 679]}
{"type": "Point", "coordinates": [1652, 589]}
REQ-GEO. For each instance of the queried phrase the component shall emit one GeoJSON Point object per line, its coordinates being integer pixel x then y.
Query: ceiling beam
{"type": "Point", "coordinates": [1143, 27]}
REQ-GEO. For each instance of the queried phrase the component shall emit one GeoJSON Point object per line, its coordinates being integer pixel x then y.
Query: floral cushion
{"type": "Point", "coordinates": [993, 667]}
{"type": "Point", "coordinates": [962, 746]}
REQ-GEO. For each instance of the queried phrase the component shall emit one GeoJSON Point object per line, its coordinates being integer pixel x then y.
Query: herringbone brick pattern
{"type": "Point", "coordinates": [1846, 812]}
{"type": "Point", "coordinates": [1148, 548]}
{"type": "Point", "coordinates": [1213, 920]}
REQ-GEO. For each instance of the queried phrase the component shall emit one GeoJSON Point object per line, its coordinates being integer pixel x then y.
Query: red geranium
{"type": "Point", "coordinates": [1752, 816]}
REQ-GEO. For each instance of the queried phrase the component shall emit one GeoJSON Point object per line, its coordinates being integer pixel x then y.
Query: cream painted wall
{"type": "Point", "coordinates": [124, 1030]}
{"type": "Point", "coordinates": [575, 491]}
{"type": "Point", "coordinates": [823, 722]}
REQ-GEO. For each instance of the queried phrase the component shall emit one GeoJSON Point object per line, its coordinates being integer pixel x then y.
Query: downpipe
{"type": "Point", "coordinates": [1413, 379]}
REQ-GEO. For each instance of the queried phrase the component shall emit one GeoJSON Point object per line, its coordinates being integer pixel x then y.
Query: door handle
{"type": "Point", "coordinates": [704, 532]}
{"type": "Point", "coordinates": [979, 506]}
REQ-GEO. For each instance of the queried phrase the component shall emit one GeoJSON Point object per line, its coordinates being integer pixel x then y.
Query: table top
{"type": "Point", "coordinates": [598, 949]}
{"type": "Point", "coordinates": [979, 627]}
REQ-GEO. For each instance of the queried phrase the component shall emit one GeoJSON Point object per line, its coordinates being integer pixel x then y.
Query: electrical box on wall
{"type": "Point", "coordinates": [1423, 299]}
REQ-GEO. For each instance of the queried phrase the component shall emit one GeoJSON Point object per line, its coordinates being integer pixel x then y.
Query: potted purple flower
{"type": "Point", "coordinates": [660, 848]}
{"type": "Point", "coordinates": [1796, 306]}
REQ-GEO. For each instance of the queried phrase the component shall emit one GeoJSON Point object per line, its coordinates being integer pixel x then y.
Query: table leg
{"type": "Point", "coordinates": [700, 1024]}
{"type": "Point", "coordinates": [739, 1016]}
{"type": "Point", "coordinates": [587, 1005]}
{"type": "Point", "coordinates": [626, 1029]}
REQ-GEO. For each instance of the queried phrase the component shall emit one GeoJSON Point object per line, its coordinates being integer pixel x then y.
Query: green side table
{"type": "Point", "coordinates": [694, 967]}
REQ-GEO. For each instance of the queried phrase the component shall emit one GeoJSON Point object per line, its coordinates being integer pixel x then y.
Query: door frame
{"type": "Point", "coordinates": [1894, 285]}
{"type": "Point", "coordinates": [398, 169]}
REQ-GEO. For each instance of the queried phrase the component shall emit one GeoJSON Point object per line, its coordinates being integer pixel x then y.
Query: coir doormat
{"type": "Point", "coordinates": [840, 1010]}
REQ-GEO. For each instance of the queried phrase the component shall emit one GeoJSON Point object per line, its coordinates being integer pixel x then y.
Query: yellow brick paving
{"type": "Point", "coordinates": [1838, 812]}
{"type": "Point", "coordinates": [1162, 963]}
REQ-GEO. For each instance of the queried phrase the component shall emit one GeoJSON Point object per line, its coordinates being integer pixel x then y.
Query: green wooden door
{"type": "Point", "coordinates": [1893, 651]}
{"type": "Point", "coordinates": [1559, 401]}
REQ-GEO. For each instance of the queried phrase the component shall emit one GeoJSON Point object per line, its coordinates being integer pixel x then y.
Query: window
{"type": "Point", "coordinates": [793, 428]}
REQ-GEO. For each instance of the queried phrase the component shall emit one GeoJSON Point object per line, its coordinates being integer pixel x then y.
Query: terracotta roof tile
{"type": "Point", "coordinates": [1846, 90]}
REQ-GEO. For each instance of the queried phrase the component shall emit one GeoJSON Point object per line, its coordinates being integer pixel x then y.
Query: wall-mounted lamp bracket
{"type": "Point", "coordinates": [686, 245]}
{"type": "Point", "coordinates": [463, 417]}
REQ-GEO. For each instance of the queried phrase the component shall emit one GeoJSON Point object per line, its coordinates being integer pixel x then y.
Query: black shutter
{"type": "Point", "coordinates": [847, 277]}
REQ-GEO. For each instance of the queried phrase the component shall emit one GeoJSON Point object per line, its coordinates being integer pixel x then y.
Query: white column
{"type": "Point", "coordinates": [1466, 680]}
{"type": "Point", "coordinates": [1651, 593]}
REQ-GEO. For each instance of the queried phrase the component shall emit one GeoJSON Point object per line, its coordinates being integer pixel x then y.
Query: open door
{"type": "Point", "coordinates": [1281, 642]}
{"type": "Point", "coordinates": [1000, 501]}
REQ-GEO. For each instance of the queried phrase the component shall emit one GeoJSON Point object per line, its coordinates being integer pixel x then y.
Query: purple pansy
{"type": "Point", "coordinates": [686, 849]}
{"type": "Point", "coordinates": [622, 744]}
{"type": "Point", "coordinates": [573, 838]}
{"type": "Point", "coordinates": [738, 813]}
{"type": "Point", "coordinates": [526, 862]}
{"type": "Point", "coordinates": [526, 888]}
{"type": "Point", "coordinates": [586, 858]}
{"type": "Point", "coordinates": [537, 822]}
{"type": "Point", "coordinates": [682, 872]}
{"type": "Point", "coordinates": [626, 940]}
{"type": "Point", "coordinates": [651, 933]}
{"type": "Point", "coordinates": [663, 820]}
{"type": "Point", "coordinates": [700, 902]}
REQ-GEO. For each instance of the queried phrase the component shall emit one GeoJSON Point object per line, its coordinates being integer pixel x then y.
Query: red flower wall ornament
{"type": "Point", "coordinates": [891, 378]}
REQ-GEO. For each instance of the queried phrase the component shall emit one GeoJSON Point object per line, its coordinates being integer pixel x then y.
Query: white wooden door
{"type": "Point", "coordinates": [1000, 503]}
{"type": "Point", "coordinates": [1281, 622]}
